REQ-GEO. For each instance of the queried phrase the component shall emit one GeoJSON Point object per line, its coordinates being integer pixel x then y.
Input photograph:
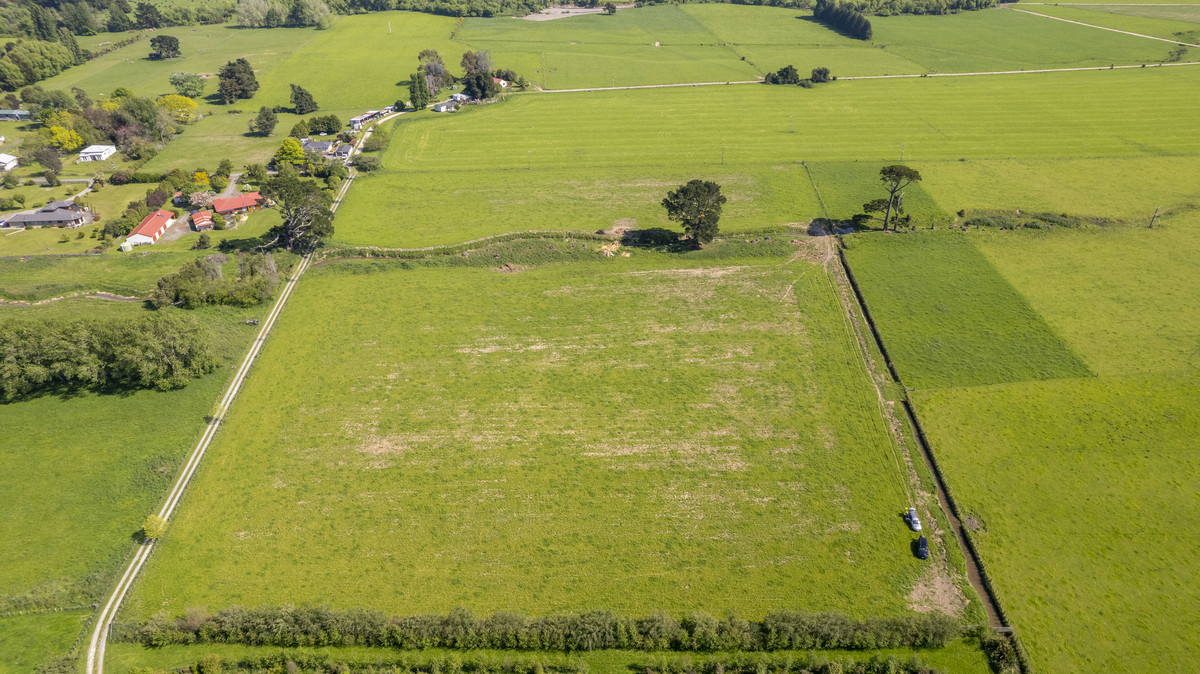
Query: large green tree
{"type": "Point", "coordinates": [264, 122]}
{"type": "Point", "coordinates": [304, 207]}
{"type": "Point", "coordinates": [237, 80]}
{"type": "Point", "coordinates": [697, 205]}
{"type": "Point", "coordinates": [148, 15]}
{"type": "Point", "coordinates": [302, 101]}
{"type": "Point", "coordinates": [164, 46]}
{"type": "Point", "coordinates": [895, 179]}
{"type": "Point", "coordinates": [187, 84]}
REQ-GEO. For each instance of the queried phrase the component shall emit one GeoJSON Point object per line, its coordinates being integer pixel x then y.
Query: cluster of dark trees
{"type": "Point", "coordinates": [790, 663]}
{"type": "Point", "coordinates": [843, 18]}
{"type": "Point", "coordinates": [137, 126]}
{"type": "Point", "coordinates": [789, 75]}
{"type": "Point", "coordinates": [303, 205]}
{"type": "Point", "coordinates": [236, 80]}
{"type": "Point", "coordinates": [164, 47]}
{"type": "Point", "coordinates": [897, 7]}
{"type": "Point", "coordinates": [203, 281]}
{"type": "Point", "coordinates": [314, 126]}
{"type": "Point", "coordinates": [68, 356]}
{"type": "Point", "coordinates": [478, 82]}
{"type": "Point", "coordinates": [461, 629]}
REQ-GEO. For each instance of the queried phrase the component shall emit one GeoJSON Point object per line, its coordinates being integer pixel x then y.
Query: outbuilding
{"type": "Point", "coordinates": [7, 162]}
{"type": "Point", "coordinates": [202, 221]}
{"type": "Point", "coordinates": [15, 115]}
{"type": "Point", "coordinates": [151, 228]}
{"type": "Point", "coordinates": [97, 153]}
{"type": "Point", "coordinates": [446, 106]}
{"type": "Point", "coordinates": [503, 84]}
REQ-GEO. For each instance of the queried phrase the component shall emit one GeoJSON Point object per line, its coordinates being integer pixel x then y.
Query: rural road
{"type": "Point", "coordinates": [1111, 30]}
{"type": "Point", "coordinates": [95, 650]}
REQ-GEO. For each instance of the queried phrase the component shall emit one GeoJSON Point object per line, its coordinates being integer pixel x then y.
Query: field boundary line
{"type": "Point", "coordinates": [976, 570]}
{"type": "Point", "coordinates": [1111, 30]}
{"type": "Point", "coordinates": [95, 651]}
{"type": "Point", "coordinates": [1023, 72]}
{"type": "Point", "coordinates": [652, 86]}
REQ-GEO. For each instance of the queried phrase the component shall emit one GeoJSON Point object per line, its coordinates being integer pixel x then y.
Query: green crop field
{"type": "Point", "coordinates": [527, 163]}
{"type": "Point", "coordinates": [1079, 490]}
{"type": "Point", "coordinates": [534, 441]}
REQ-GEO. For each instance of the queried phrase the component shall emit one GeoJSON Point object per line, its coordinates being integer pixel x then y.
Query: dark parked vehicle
{"type": "Point", "coordinates": [922, 548]}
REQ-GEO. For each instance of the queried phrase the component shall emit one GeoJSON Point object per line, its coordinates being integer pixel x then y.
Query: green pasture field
{"type": "Point", "coordinates": [46, 240]}
{"type": "Point", "coordinates": [980, 331]}
{"type": "Point", "coordinates": [530, 163]}
{"type": "Point", "coordinates": [27, 641]}
{"type": "Point", "coordinates": [644, 433]}
{"type": "Point", "coordinates": [1187, 13]}
{"type": "Point", "coordinates": [999, 39]}
{"type": "Point", "coordinates": [1079, 491]}
{"type": "Point", "coordinates": [960, 658]}
{"type": "Point", "coordinates": [1098, 187]}
{"type": "Point", "coordinates": [80, 474]}
{"type": "Point", "coordinates": [1137, 22]}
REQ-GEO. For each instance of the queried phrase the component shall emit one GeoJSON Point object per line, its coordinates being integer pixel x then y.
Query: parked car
{"type": "Point", "coordinates": [914, 522]}
{"type": "Point", "coordinates": [922, 548]}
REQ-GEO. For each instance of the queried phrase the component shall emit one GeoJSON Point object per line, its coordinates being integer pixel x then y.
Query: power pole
{"type": "Point", "coordinates": [789, 123]}
{"type": "Point", "coordinates": [389, 27]}
{"type": "Point", "coordinates": [1152, 217]}
{"type": "Point", "coordinates": [902, 146]}
{"type": "Point", "coordinates": [722, 155]}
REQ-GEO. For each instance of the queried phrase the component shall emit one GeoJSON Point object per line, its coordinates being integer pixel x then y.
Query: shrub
{"type": "Point", "coordinates": [153, 527]}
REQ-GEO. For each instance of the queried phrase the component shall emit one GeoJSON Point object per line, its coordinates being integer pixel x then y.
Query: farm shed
{"type": "Point", "coordinates": [7, 162]}
{"type": "Point", "coordinates": [151, 228]}
{"type": "Point", "coordinates": [15, 115]}
{"type": "Point", "coordinates": [446, 106]}
{"type": "Point", "coordinates": [97, 153]}
{"type": "Point", "coordinates": [202, 221]}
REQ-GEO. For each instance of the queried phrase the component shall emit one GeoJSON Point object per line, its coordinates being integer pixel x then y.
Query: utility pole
{"type": "Point", "coordinates": [1152, 217]}
{"type": "Point", "coordinates": [722, 155]}
{"type": "Point", "coordinates": [389, 27]}
{"type": "Point", "coordinates": [789, 123]}
{"type": "Point", "coordinates": [902, 146]}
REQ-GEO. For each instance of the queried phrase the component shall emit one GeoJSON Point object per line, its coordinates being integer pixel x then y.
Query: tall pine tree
{"type": "Point", "coordinates": [302, 101]}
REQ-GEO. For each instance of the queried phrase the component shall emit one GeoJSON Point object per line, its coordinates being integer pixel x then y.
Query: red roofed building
{"type": "Point", "coordinates": [503, 84]}
{"type": "Point", "coordinates": [151, 228]}
{"type": "Point", "coordinates": [239, 203]}
{"type": "Point", "coordinates": [202, 221]}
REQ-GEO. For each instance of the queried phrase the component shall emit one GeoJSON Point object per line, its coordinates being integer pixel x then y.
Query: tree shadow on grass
{"type": "Point", "coordinates": [657, 238]}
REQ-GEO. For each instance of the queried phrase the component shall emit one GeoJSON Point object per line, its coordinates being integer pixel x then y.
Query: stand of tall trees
{"type": "Point", "coordinates": [843, 18]}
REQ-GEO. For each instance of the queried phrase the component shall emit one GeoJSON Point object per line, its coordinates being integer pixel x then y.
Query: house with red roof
{"type": "Point", "coordinates": [202, 221]}
{"type": "Point", "coordinates": [238, 203]}
{"type": "Point", "coordinates": [503, 84]}
{"type": "Point", "coordinates": [151, 228]}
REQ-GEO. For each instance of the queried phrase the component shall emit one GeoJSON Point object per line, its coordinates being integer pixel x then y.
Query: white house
{"type": "Point", "coordinates": [97, 153]}
{"type": "Point", "coordinates": [460, 98]}
{"type": "Point", "coordinates": [7, 162]}
{"type": "Point", "coordinates": [447, 106]}
{"type": "Point", "coordinates": [151, 228]}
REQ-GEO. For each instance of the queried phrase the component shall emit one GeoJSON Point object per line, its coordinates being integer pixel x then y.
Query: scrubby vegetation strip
{"type": "Point", "coordinates": [592, 630]}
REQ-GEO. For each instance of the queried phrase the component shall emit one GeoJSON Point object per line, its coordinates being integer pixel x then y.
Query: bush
{"type": "Point", "coordinates": [142, 177]}
{"type": "Point", "coordinates": [368, 164]}
{"type": "Point", "coordinates": [153, 527]}
{"type": "Point", "coordinates": [202, 281]}
{"type": "Point", "coordinates": [51, 179]}
{"type": "Point", "coordinates": [121, 177]}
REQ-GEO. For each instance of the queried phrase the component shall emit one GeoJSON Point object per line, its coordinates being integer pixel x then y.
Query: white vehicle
{"type": "Point", "coordinates": [914, 522]}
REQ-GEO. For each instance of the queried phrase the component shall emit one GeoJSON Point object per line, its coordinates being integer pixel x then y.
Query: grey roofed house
{"type": "Point", "coordinates": [320, 147]}
{"type": "Point", "coordinates": [53, 214]}
{"type": "Point", "coordinates": [15, 115]}
{"type": "Point", "coordinates": [343, 151]}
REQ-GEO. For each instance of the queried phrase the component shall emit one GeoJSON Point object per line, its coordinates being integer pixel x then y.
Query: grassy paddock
{"type": "Point", "coordinates": [637, 433]}
{"type": "Point", "coordinates": [964, 324]}
{"type": "Point", "coordinates": [27, 641]}
{"type": "Point", "coordinates": [1078, 490]}
{"type": "Point", "coordinates": [530, 163]}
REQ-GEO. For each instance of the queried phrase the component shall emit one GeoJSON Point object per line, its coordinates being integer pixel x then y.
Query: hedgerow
{"type": "Point", "coordinates": [290, 626]}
